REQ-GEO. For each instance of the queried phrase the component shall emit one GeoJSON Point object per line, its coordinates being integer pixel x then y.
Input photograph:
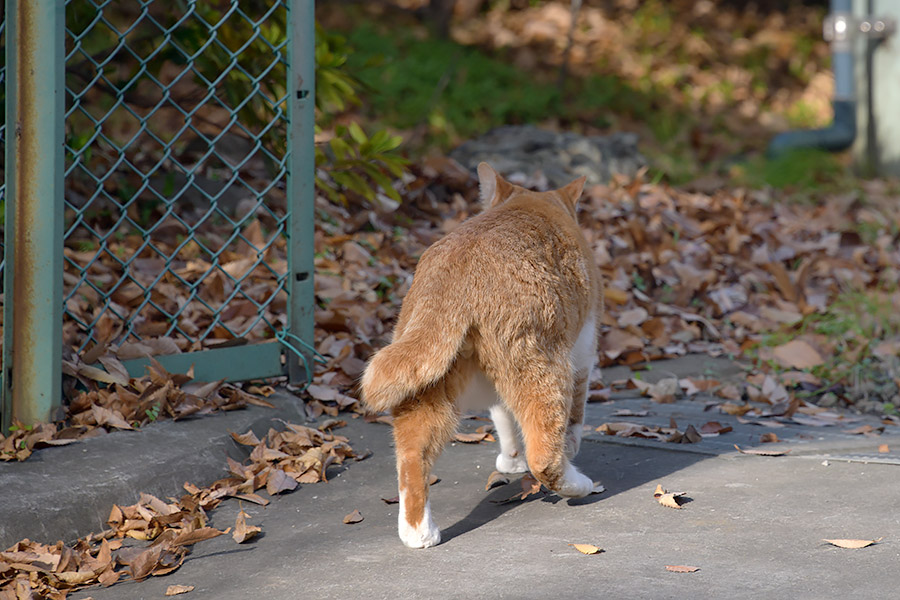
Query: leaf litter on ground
{"type": "Point", "coordinates": [166, 530]}
{"type": "Point", "coordinates": [119, 402]}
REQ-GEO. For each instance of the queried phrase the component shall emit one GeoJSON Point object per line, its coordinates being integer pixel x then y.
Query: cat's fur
{"type": "Point", "coordinates": [501, 314]}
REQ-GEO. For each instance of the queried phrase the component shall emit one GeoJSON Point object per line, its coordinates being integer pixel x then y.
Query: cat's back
{"type": "Point", "coordinates": [525, 248]}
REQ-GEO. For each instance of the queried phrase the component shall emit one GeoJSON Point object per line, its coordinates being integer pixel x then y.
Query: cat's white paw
{"type": "Point", "coordinates": [425, 535]}
{"type": "Point", "coordinates": [511, 464]}
{"type": "Point", "coordinates": [575, 484]}
{"type": "Point", "coordinates": [573, 440]}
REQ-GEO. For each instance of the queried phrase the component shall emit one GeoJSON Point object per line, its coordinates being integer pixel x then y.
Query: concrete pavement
{"type": "Point", "coordinates": [754, 525]}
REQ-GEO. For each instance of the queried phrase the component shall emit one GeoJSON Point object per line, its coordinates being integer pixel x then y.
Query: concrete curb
{"type": "Point", "coordinates": [67, 492]}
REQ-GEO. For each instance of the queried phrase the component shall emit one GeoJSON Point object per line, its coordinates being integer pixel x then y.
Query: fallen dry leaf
{"type": "Point", "coordinates": [247, 439]}
{"type": "Point", "coordinates": [279, 481]}
{"type": "Point", "coordinates": [496, 479]}
{"type": "Point", "coordinates": [852, 544]}
{"type": "Point", "coordinates": [668, 499]}
{"type": "Point", "coordinates": [883, 449]}
{"type": "Point", "coordinates": [694, 386]}
{"type": "Point", "coordinates": [626, 412]}
{"type": "Point", "coordinates": [797, 354]}
{"type": "Point", "coordinates": [769, 437]}
{"type": "Point", "coordinates": [681, 569]}
{"type": "Point", "coordinates": [662, 392]}
{"type": "Point", "coordinates": [735, 409]}
{"type": "Point", "coordinates": [587, 548]}
{"type": "Point", "coordinates": [714, 428]}
{"type": "Point", "coordinates": [174, 590]}
{"type": "Point", "coordinates": [530, 485]}
{"type": "Point", "coordinates": [865, 430]}
{"type": "Point", "coordinates": [394, 500]}
{"type": "Point", "coordinates": [602, 395]}
{"type": "Point", "coordinates": [729, 392]}
{"type": "Point", "coordinates": [354, 517]}
{"type": "Point", "coordinates": [189, 538]}
{"type": "Point", "coordinates": [470, 438]}
{"type": "Point", "coordinates": [243, 532]}
{"type": "Point", "coordinates": [759, 452]}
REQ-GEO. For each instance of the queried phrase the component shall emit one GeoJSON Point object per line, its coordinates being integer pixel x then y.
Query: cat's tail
{"type": "Point", "coordinates": [418, 358]}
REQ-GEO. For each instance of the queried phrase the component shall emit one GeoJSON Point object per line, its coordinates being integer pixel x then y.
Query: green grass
{"type": "Point", "coordinates": [444, 93]}
{"type": "Point", "coordinates": [855, 323]}
{"type": "Point", "coordinates": [806, 169]}
{"type": "Point", "coordinates": [459, 91]}
{"type": "Point", "coordinates": [454, 89]}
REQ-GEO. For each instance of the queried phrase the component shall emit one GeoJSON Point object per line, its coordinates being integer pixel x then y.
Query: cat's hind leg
{"type": "Point", "coordinates": [422, 426]}
{"type": "Point", "coordinates": [512, 455]}
{"type": "Point", "coordinates": [575, 425]}
{"type": "Point", "coordinates": [540, 395]}
{"type": "Point", "coordinates": [582, 356]}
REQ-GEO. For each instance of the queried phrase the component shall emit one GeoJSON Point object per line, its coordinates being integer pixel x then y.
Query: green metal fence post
{"type": "Point", "coordinates": [35, 106]}
{"type": "Point", "coordinates": [300, 183]}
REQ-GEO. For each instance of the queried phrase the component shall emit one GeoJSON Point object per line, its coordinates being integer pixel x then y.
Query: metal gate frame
{"type": "Point", "coordinates": [33, 249]}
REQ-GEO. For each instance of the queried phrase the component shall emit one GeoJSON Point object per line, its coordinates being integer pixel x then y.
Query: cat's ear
{"type": "Point", "coordinates": [494, 189]}
{"type": "Point", "coordinates": [572, 192]}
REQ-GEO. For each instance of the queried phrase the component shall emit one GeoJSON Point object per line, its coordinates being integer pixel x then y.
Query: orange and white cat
{"type": "Point", "coordinates": [501, 314]}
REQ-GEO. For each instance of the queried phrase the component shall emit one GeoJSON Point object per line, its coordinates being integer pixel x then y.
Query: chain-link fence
{"type": "Point", "coordinates": [181, 217]}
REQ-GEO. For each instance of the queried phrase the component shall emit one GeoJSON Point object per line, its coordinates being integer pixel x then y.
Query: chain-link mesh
{"type": "Point", "coordinates": [175, 207]}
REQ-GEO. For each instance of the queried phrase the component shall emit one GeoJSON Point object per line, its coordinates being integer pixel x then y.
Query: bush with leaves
{"type": "Point", "coordinates": [233, 54]}
{"type": "Point", "coordinates": [352, 160]}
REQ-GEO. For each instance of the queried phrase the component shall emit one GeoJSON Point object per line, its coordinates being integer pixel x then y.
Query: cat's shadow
{"type": "Point", "coordinates": [619, 468]}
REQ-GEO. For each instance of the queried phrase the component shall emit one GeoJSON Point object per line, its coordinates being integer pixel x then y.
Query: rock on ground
{"type": "Point", "coordinates": [545, 159]}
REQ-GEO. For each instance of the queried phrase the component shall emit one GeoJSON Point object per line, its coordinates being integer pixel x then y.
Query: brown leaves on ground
{"type": "Point", "coordinates": [169, 528]}
{"type": "Point", "coordinates": [669, 434]}
{"type": "Point", "coordinates": [175, 590]}
{"type": "Point", "coordinates": [662, 392]}
{"type": "Point", "coordinates": [686, 272]}
{"type": "Point", "coordinates": [114, 400]}
{"type": "Point", "coordinates": [669, 499]}
{"type": "Point", "coordinates": [282, 459]}
{"type": "Point", "coordinates": [615, 35]}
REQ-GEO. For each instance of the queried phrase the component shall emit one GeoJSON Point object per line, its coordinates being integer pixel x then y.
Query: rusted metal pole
{"type": "Point", "coordinates": [35, 107]}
